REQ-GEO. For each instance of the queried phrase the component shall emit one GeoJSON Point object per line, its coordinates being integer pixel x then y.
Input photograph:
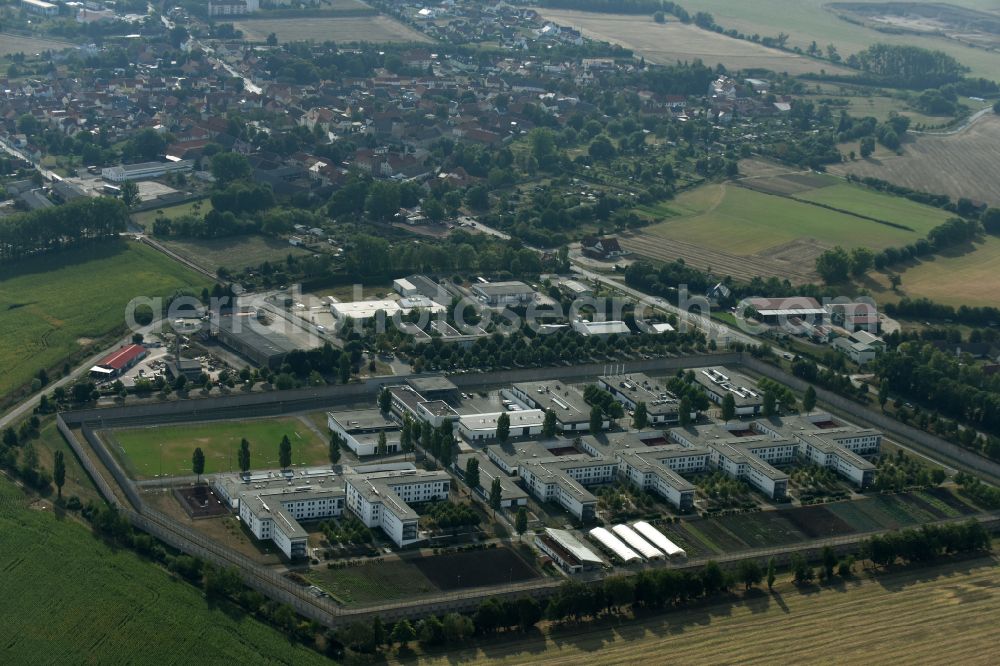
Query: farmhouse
{"type": "Point", "coordinates": [251, 339]}
{"type": "Point", "coordinates": [381, 498]}
{"type": "Point", "coordinates": [602, 248]}
{"type": "Point", "coordinates": [117, 362]}
{"type": "Point", "coordinates": [718, 382]}
{"type": "Point", "coordinates": [360, 430]}
{"type": "Point", "coordinates": [631, 389]}
{"type": "Point", "coordinates": [566, 402]}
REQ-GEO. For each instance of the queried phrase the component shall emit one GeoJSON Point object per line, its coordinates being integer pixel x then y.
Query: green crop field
{"type": "Point", "coordinates": [68, 598]}
{"type": "Point", "coordinates": [55, 305]}
{"type": "Point", "coordinates": [808, 20]}
{"type": "Point", "coordinates": [142, 448]}
{"type": "Point", "coordinates": [145, 218]}
{"type": "Point", "coordinates": [776, 225]}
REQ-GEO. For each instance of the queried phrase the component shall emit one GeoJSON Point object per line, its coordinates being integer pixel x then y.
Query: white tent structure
{"type": "Point", "coordinates": [636, 542]}
{"type": "Point", "coordinates": [657, 538]}
{"type": "Point", "coordinates": [614, 545]}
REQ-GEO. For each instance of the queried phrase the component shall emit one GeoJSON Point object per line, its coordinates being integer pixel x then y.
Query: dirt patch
{"type": "Point", "coordinates": [817, 522]}
{"type": "Point", "coordinates": [968, 26]}
{"type": "Point", "coordinates": [494, 566]}
{"type": "Point", "coordinates": [200, 502]}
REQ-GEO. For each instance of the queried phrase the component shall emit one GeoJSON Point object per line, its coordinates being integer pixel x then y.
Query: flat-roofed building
{"type": "Point", "coordinates": [601, 329]}
{"type": "Point", "coordinates": [566, 402]}
{"type": "Point", "coordinates": [406, 401]}
{"type": "Point", "coordinates": [144, 171]}
{"type": "Point", "coordinates": [780, 311]}
{"type": "Point", "coordinates": [433, 387]}
{"type": "Point", "coordinates": [718, 382]}
{"type": "Point", "coordinates": [360, 430]}
{"type": "Point", "coordinates": [262, 345]}
{"type": "Point", "coordinates": [382, 499]}
{"type": "Point", "coordinates": [40, 7]}
{"type": "Point", "coordinates": [478, 427]}
{"type": "Point", "coordinates": [633, 388]}
{"type": "Point", "coordinates": [499, 294]}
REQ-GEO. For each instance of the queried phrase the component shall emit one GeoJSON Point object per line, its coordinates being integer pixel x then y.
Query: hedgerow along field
{"type": "Point", "coordinates": [108, 605]}
{"type": "Point", "coordinates": [777, 225]}
{"type": "Point", "coordinates": [141, 449]}
{"type": "Point", "coordinates": [667, 43]}
{"type": "Point", "coordinates": [890, 611]}
{"type": "Point", "coordinates": [56, 305]}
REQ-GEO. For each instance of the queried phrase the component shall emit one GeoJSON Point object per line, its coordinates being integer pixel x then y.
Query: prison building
{"type": "Point", "coordinates": [481, 427]}
{"type": "Point", "coordinates": [561, 479]}
{"type": "Point", "coordinates": [118, 362]}
{"type": "Point", "coordinates": [567, 551]}
{"type": "Point", "coordinates": [648, 470]}
{"type": "Point", "coordinates": [382, 499]}
{"type": "Point", "coordinates": [719, 382]}
{"type": "Point", "coordinates": [511, 494]}
{"type": "Point", "coordinates": [360, 429]}
{"type": "Point", "coordinates": [633, 388]}
{"type": "Point", "coordinates": [406, 401]}
{"type": "Point", "coordinates": [566, 402]}
{"type": "Point", "coordinates": [254, 341]}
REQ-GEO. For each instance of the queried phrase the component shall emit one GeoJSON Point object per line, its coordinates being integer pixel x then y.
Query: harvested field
{"type": "Point", "coordinates": [341, 30]}
{"type": "Point", "coordinates": [674, 41]}
{"type": "Point", "coordinates": [234, 253]}
{"type": "Point", "coordinates": [889, 610]}
{"type": "Point", "coordinates": [817, 522]}
{"type": "Point", "coordinates": [969, 275]}
{"type": "Point", "coordinates": [29, 46]}
{"type": "Point", "coordinates": [959, 165]}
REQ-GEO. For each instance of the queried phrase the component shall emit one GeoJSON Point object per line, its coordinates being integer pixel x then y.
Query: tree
{"type": "Point", "coordinates": [472, 473]}
{"type": "Point", "coordinates": [772, 573]}
{"type": "Point", "coordinates": [728, 407]}
{"type": "Point", "coordinates": [272, 40]}
{"type": "Point", "coordinates": [867, 147]}
{"type": "Point", "coordinates": [228, 167]}
{"type": "Point", "coordinates": [130, 194]}
{"type": "Point", "coordinates": [403, 633]}
{"type": "Point", "coordinates": [496, 495]}
{"type": "Point", "coordinates": [433, 209]}
{"type": "Point", "coordinates": [829, 562]}
{"type": "Point", "coordinates": [503, 427]}
{"type": "Point", "coordinates": [659, 17]}
{"type": "Point", "coordinates": [334, 449]}
{"type": "Point", "coordinates": [59, 472]}
{"type": "Point", "coordinates": [344, 369]}
{"type": "Point", "coordinates": [749, 573]}
{"type": "Point", "coordinates": [521, 520]}
{"type": "Point", "coordinates": [684, 412]}
{"type": "Point", "coordinates": [285, 452]}
{"type": "Point", "coordinates": [596, 419]}
{"type": "Point", "coordinates": [244, 456]}
{"type": "Point", "coordinates": [834, 265]}
{"type": "Point", "coordinates": [801, 571]}
{"type": "Point", "coordinates": [198, 462]}
{"type": "Point", "coordinates": [601, 149]}
{"type": "Point", "coordinates": [381, 445]}
{"type": "Point", "coordinates": [809, 400]}
{"type": "Point", "coordinates": [385, 401]}
{"type": "Point", "coordinates": [770, 403]}
{"type": "Point", "coordinates": [862, 260]}
{"type": "Point", "coordinates": [640, 419]}
{"type": "Point", "coordinates": [549, 424]}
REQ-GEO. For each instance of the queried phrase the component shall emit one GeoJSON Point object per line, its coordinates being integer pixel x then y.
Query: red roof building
{"type": "Point", "coordinates": [119, 360]}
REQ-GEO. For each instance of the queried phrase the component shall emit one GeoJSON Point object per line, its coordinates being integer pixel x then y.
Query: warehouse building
{"type": "Point", "coordinates": [254, 341]}
{"type": "Point", "coordinates": [144, 171]}
{"type": "Point", "coordinates": [600, 329]}
{"type": "Point", "coordinates": [118, 361]}
{"type": "Point", "coordinates": [567, 551]}
{"type": "Point", "coordinates": [500, 294]}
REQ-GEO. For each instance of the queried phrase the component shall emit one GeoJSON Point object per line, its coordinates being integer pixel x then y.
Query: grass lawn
{"type": "Point", "coordinates": [53, 306]}
{"type": "Point", "coordinates": [220, 442]}
{"type": "Point", "coordinates": [235, 252]}
{"type": "Point", "coordinates": [956, 278]}
{"type": "Point", "coordinates": [146, 217]}
{"type": "Point", "coordinates": [68, 598]}
{"type": "Point", "coordinates": [372, 583]}
{"type": "Point", "coordinates": [744, 222]}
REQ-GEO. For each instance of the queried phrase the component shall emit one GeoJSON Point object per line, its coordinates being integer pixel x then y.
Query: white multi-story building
{"type": "Point", "coordinates": [144, 171]}
{"type": "Point", "coordinates": [360, 430]}
{"type": "Point", "coordinates": [566, 402]}
{"type": "Point", "coordinates": [633, 388]}
{"type": "Point", "coordinates": [561, 479]}
{"type": "Point", "coordinates": [718, 382]}
{"type": "Point", "coordinates": [381, 499]}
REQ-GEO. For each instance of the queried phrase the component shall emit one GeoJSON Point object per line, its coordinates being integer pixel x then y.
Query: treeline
{"type": "Point", "coordinates": [927, 543]}
{"type": "Point", "coordinates": [904, 66]}
{"type": "Point", "coordinates": [621, 7]}
{"type": "Point", "coordinates": [954, 231]}
{"type": "Point", "coordinates": [80, 221]}
{"type": "Point", "coordinates": [923, 308]}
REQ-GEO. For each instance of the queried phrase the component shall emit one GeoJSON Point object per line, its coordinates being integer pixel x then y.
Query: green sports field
{"type": "Point", "coordinates": [55, 305]}
{"type": "Point", "coordinates": [144, 450]}
{"type": "Point", "coordinates": [70, 599]}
